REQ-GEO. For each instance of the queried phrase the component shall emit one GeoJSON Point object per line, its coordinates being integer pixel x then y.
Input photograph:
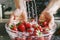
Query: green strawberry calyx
{"type": "Point", "coordinates": [18, 23]}
{"type": "Point", "coordinates": [11, 26]}
{"type": "Point", "coordinates": [39, 34]}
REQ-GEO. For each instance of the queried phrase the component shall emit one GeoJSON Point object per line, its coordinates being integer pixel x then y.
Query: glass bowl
{"type": "Point", "coordinates": [16, 35]}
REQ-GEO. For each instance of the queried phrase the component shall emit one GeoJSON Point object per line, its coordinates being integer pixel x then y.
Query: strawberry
{"type": "Point", "coordinates": [33, 25]}
{"type": "Point", "coordinates": [40, 28]}
{"type": "Point", "coordinates": [46, 26]}
{"type": "Point", "coordinates": [38, 22]}
{"type": "Point", "coordinates": [13, 28]}
{"type": "Point", "coordinates": [45, 23]}
{"type": "Point", "coordinates": [34, 33]}
{"type": "Point", "coordinates": [29, 30]}
{"type": "Point", "coordinates": [21, 27]}
{"type": "Point", "coordinates": [28, 25]}
{"type": "Point", "coordinates": [29, 38]}
{"type": "Point", "coordinates": [36, 28]}
{"type": "Point", "coordinates": [24, 22]}
{"type": "Point", "coordinates": [18, 24]}
{"type": "Point", "coordinates": [17, 38]}
{"type": "Point", "coordinates": [45, 31]}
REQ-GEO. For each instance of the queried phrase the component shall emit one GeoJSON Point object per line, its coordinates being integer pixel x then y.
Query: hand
{"type": "Point", "coordinates": [47, 17]}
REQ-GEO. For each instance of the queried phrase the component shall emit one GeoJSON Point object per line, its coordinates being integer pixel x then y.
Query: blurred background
{"type": "Point", "coordinates": [34, 8]}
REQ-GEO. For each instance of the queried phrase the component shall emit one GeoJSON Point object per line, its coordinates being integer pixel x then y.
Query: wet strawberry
{"type": "Point", "coordinates": [28, 25]}
{"type": "Point", "coordinates": [13, 27]}
{"type": "Point", "coordinates": [21, 27]}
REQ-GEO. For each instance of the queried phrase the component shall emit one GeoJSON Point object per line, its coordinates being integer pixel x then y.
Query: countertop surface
{"type": "Point", "coordinates": [4, 20]}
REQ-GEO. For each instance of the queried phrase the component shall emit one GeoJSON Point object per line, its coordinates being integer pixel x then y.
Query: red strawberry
{"type": "Point", "coordinates": [29, 30]}
{"type": "Point", "coordinates": [45, 23]}
{"type": "Point", "coordinates": [36, 28]}
{"type": "Point", "coordinates": [23, 38]}
{"type": "Point", "coordinates": [28, 25]}
{"type": "Point", "coordinates": [13, 28]}
{"type": "Point", "coordinates": [29, 38]}
{"type": "Point", "coordinates": [38, 22]}
{"type": "Point", "coordinates": [40, 28]}
{"type": "Point", "coordinates": [32, 20]}
{"type": "Point", "coordinates": [46, 27]}
{"type": "Point", "coordinates": [45, 31]}
{"type": "Point", "coordinates": [17, 38]}
{"type": "Point", "coordinates": [34, 33]}
{"type": "Point", "coordinates": [21, 28]}
{"type": "Point", "coordinates": [33, 25]}
{"type": "Point", "coordinates": [24, 23]}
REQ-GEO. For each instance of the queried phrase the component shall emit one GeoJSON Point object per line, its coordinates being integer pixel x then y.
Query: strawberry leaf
{"type": "Point", "coordinates": [11, 26]}
{"type": "Point", "coordinates": [18, 24]}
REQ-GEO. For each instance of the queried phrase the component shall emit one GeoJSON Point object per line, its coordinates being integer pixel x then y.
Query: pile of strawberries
{"type": "Point", "coordinates": [32, 29]}
{"type": "Point", "coordinates": [28, 27]}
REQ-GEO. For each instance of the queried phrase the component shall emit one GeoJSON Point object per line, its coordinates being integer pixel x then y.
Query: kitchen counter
{"type": "Point", "coordinates": [4, 20]}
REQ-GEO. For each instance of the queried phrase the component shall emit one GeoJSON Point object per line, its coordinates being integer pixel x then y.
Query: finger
{"type": "Point", "coordinates": [47, 17]}
{"type": "Point", "coordinates": [42, 16]}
